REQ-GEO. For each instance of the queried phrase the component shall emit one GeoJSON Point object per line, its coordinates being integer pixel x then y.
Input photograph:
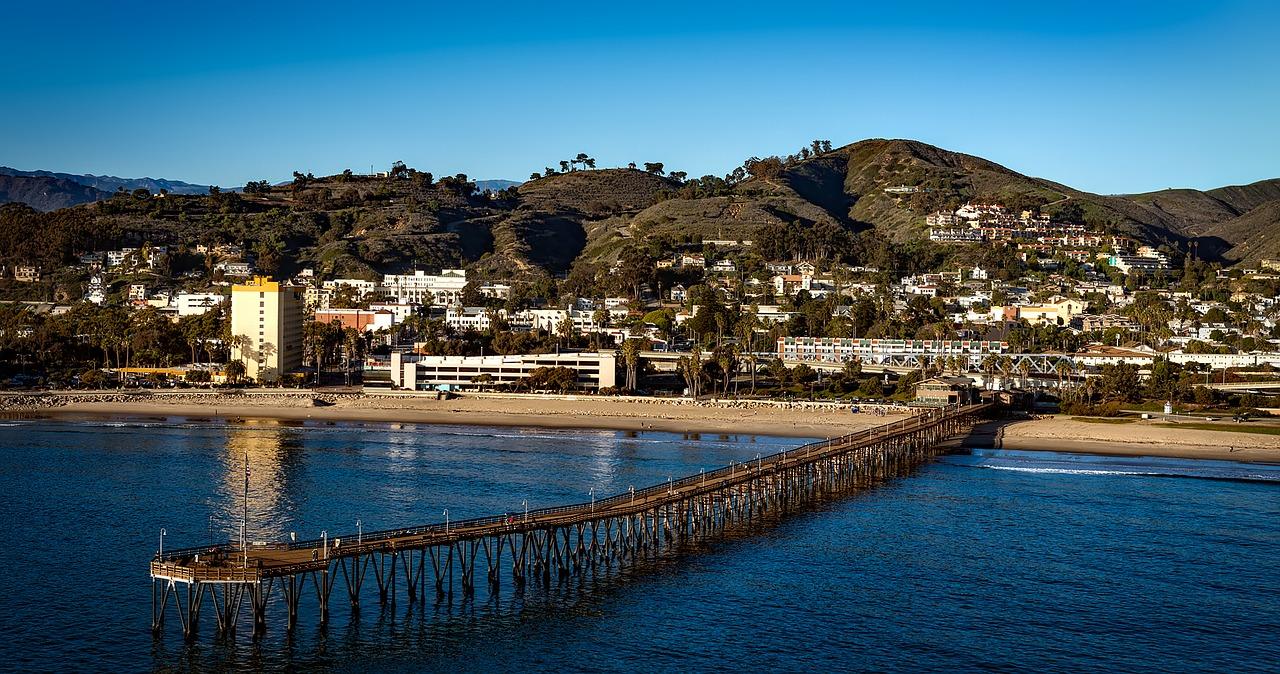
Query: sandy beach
{"type": "Point", "coordinates": [801, 420]}
{"type": "Point", "coordinates": [1140, 438]}
{"type": "Point", "coordinates": [796, 420]}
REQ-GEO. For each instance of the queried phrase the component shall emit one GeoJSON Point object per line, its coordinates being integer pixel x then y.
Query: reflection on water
{"type": "Point", "coordinates": [266, 456]}
{"type": "Point", "coordinates": [1066, 563]}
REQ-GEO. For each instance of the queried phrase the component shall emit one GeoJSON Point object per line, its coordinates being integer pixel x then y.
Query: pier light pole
{"type": "Point", "coordinates": [759, 463]}
{"type": "Point", "coordinates": [324, 542]}
{"type": "Point", "coordinates": [669, 490]}
{"type": "Point", "coordinates": [703, 473]}
{"type": "Point", "coordinates": [162, 533]}
{"type": "Point", "coordinates": [446, 521]}
{"type": "Point", "coordinates": [359, 532]}
{"type": "Point", "coordinates": [210, 528]}
{"type": "Point", "coordinates": [632, 490]}
{"type": "Point", "coordinates": [244, 523]}
{"type": "Point", "coordinates": [525, 503]}
{"type": "Point", "coordinates": [593, 500]}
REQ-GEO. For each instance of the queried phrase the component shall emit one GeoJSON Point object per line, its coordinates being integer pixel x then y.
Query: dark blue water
{"type": "Point", "coordinates": [1000, 560]}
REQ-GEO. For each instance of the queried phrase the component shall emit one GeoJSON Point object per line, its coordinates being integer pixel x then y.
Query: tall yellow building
{"type": "Point", "coordinates": [266, 317]}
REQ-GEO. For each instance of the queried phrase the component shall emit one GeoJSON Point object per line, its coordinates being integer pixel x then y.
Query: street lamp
{"type": "Point", "coordinates": [759, 463]}
{"type": "Point", "coordinates": [446, 521]}
{"type": "Point", "coordinates": [162, 533]}
{"type": "Point", "coordinates": [359, 532]}
{"type": "Point", "coordinates": [525, 503]}
{"type": "Point", "coordinates": [324, 542]}
{"type": "Point", "coordinates": [703, 473]}
{"type": "Point", "coordinates": [210, 528]}
{"type": "Point", "coordinates": [669, 490]}
{"type": "Point", "coordinates": [632, 490]}
{"type": "Point", "coordinates": [593, 500]}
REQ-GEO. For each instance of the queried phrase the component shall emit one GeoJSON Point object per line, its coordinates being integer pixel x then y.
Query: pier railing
{"type": "Point", "coordinates": [353, 542]}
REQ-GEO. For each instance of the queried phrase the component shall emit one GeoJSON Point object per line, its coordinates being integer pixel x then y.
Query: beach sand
{"type": "Point", "coordinates": [598, 413]}
{"type": "Point", "coordinates": [1140, 438]}
{"type": "Point", "coordinates": [1061, 433]}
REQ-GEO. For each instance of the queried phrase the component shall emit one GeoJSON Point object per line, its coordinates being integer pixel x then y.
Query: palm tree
{"type": "Point", "coordinates": [1062, 368]}
{"type": "Point", "coordinates": [1005, 365]}
{"type": "Point", "coordinates": [1024, 369]}
{"type": "Point", "coordinates": [234, 371]}
{"type": "Point", "coordinates": [691, 367]}
{"type": "Point", "coordinates": [631, 358]}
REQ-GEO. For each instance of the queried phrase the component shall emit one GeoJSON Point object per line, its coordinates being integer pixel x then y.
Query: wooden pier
{"type": "Point", "coordinates": [541, 546]}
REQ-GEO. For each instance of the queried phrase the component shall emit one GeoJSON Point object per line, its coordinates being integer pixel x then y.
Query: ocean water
{"type": "Point", "coordinates": [995, 560]}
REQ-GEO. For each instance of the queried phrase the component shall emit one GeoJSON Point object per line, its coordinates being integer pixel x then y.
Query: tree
{"type": "Point", "coordinates": [235, 370]}
{"type": "Point", "coordinates": [399, 170]}
{"type": "Point", "coordinates": [1120, 382]}
{"type": "Point", "coordinates": [631, 349]}
{"type": "Point", "coordinates": [690, 367]}
{"type": "Point", "coordinates": [653, 167]}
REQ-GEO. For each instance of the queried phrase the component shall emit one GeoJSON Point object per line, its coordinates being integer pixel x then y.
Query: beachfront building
{"type": "Point", "coordinates": [416, 372]}
{"type": "Point", "coordinates": [266, 324]}
{"type": "Point", "coordinates": [896, 352]}
{"type": "Point", "coordinates": [942, 391]}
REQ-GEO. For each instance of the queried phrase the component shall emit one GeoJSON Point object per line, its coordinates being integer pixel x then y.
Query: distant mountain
{"type": "Point", "coordinates": [112, 183]}
{"type": "Point", "coordinates": [45, 193]}
{"type": "Point", "coordinates": [495, 185]}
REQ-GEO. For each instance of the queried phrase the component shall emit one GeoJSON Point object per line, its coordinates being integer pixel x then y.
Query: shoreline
{"type": "Point", "coordinates": [725, 418]}
{"type": "Point", "coordinates": [564, 415]}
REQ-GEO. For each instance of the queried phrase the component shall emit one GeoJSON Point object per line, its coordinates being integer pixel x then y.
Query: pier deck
{"type": "Point", "coordinates": [558, 541]}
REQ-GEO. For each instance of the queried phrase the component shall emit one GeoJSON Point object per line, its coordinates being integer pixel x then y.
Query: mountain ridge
{"type": "Point", "coordinates": [844, 202]}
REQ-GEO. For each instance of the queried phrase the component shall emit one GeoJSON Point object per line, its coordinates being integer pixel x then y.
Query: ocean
{"type": "Point", "coordinates": [994, 560]}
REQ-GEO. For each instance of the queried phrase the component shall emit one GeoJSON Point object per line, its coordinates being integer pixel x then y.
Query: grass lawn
{"type": "Point", "coordinates": [1105, 420]}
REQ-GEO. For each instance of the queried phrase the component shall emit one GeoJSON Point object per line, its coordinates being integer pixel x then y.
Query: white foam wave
{"type": "Point", "coordinates": [1069, 471]}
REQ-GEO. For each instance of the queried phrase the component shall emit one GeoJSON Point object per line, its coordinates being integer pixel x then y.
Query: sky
{"type": "Point", "coordinates": [1109, 97]}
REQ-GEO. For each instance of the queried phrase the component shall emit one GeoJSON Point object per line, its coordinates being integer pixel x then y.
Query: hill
{"type": "Point", "coordinates": [825, 203]}
{"type": "Point", "coordinates": [112, 183]}
{"type": "Point", "coordinates": [1235, 223]}
{"type": "Point", "coordinates": [45, 193]}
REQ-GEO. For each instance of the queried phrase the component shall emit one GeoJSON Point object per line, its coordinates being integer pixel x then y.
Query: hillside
{"type": "Point", "coordinates": [830, 203]}
{"type": "Point", "coordinates": [1236, 223]}
{"type": "Point", "coordinates": [46, 193]}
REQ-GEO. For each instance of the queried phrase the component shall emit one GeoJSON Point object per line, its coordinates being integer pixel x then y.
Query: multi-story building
{"type": "Point", "coordinates": [471, 318]}
{"type": "Point", "coordinates": [194, 304]}
{"type": "Point", "coordinates": [882, 351]}
{"type": "Point", "coordinates": [423, 288]}
{"type": "Point", "coordinates": [360, 319]}
{"type": "Point", "coordinates": [266, 324]}
{"type": "Point", "coordinates": [26, 274]}
{"type": "Point", "coordinates": [414, 372]}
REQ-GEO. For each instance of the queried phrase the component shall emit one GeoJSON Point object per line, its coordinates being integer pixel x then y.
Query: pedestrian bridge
{"type": "Point", "coordinates": [538, 546]}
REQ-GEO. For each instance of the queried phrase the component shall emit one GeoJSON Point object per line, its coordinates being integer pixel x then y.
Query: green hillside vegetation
{"type": "Point", "coordinates": [820, 203]}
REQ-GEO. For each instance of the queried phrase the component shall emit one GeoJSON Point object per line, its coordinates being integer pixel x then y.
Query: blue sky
{"type": "Point", "coordinates": [1114, 97]}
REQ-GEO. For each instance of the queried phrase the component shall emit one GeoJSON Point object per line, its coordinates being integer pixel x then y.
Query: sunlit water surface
{"type": "Point", "coordinates": [997, 560]}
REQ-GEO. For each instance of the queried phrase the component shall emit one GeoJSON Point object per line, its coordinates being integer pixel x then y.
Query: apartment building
{"type": "Point", "coordinates": [266, 320]}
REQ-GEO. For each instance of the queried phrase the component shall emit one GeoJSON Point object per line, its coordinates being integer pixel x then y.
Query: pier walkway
{"type": "Point", "coordinates": [539, 545]}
